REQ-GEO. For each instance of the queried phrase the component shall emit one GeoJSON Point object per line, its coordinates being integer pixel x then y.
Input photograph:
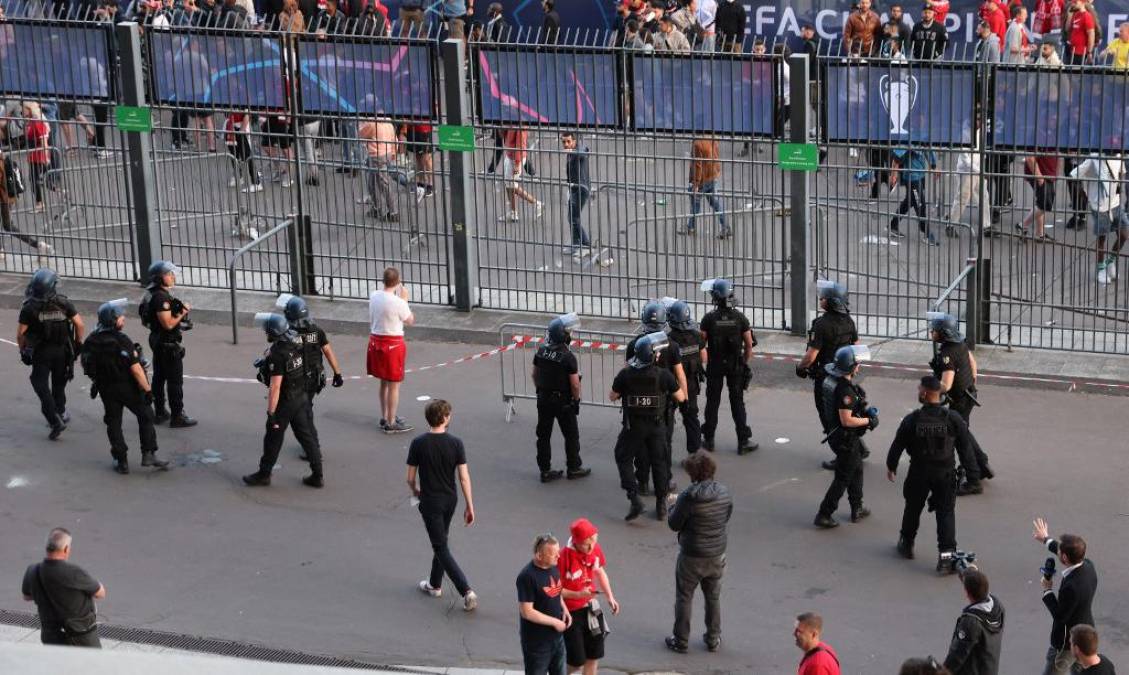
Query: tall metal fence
{"type": "Point", "coordinates": [605, 172]}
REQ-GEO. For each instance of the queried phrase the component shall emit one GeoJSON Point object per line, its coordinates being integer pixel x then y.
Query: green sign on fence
{"type": "Point", "coordinates": [132, 118]}
{"type": "Point", "coordinates": [798, 157]}
{"type": "Point", "coordinates": [455, 138]}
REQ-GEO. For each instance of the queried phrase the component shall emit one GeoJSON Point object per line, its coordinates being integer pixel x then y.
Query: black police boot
{"type": "Point", "coordinates": [674, 645]}
{"type": "Point", "coordinates": [986, 472]}
{"type": "Point", "coordinates": [746, 446]}
{"type": "Point", "coordinates": [858, 513]}
{"type": "Point", "coordinates": [707, 444]}
{"type": "Point", "coordinates": [161, 415]}
{"type": "Point", "coordinates": [257, 479]}
{"type": "Point", "coordinates": [551, 475]}
{"type": "Point", "coordinates": [180, 421]}
{"type": "Point", "coordinates": [636, 509]}
{"type": "Point", "coordinates": [660, 508]}
{"type": "Point", "coordinates": [943, 566]}
{"type": "Point", "coordinates": [315, 479]}
{"type": "Point", "coordinates": [121, 466]}
{"type": "Point", "coordinates": [830, 464]}
{"type": "Point", "coordinates": [825, 521]}
{"type": "Point", "coordinates": [57, 429]}
{"type": "Point", "coordinates": [905, 548]}
{"type": "Point", "coordinates": [968, 488]}
{"type": "Point", "coordinates": [712, 645]}
{"type": "Point", "coordinates": [150, 459]}
{"type": "Point", "coordinates": [582, 472]}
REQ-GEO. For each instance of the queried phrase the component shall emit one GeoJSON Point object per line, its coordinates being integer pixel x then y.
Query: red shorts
{"type": "Point", "coordinates": [386, 357]}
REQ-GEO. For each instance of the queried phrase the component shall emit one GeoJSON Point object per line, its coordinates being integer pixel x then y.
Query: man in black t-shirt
{"type": "Point", "coordinates": [48, 337]}
{"type": "Point", "coordinates": [1084, 646]}
{"type": "Point", "coordinates": [64, 594]}
{"type": "Point", "coordinates": [436, 457]}
{"type": "Point", "coordinates": [542, 610]}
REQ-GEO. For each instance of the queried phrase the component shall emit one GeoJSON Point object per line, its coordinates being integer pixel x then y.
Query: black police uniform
{"type": "Point", "coordinates": [645, 393]}
{"type": "Point", "coordinates": [839, 393]}
{"type": "Point", "coordinates": [954, 356]}
{"type": "Point", "coordinates": [930, 435]}
{"type": "Point", "coordinates": [725, 331]}
{"type": "Point", "coordinates": [286, 358]}
{"type": "Point", "coordinates": [829, 332]}
{"type": "Point", "coordinates": [555, 364]}
{"type": "Point", "coordinates": [312, 339]}
{"type": "Point", "coordinates": [50, 336]}
{"type": "Point", "coordinates": [667, 359]}
{"type": "Point", "coordinates": [689, 345]}
{"type": "Point", "coordinates": [108, 356]}
{"type": "Point", "coordinates": [168, 354]}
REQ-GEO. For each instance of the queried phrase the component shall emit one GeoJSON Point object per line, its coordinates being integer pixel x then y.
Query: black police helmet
{"type": "Point", "coordinates": [846, 359]}
{"type": "Point", "coordinates": [653, 316]}
{"type": "Point", "coordinates": [721, 290]}
{"type": "Point", "coordinates": [110, 312]}
{"type": "Point", "coordinates": [560, 329]}
{"type": "Point", "coordinates": [158, 269]}
{"type": "Point", "coordinates": [274, 325]}
{"type": "Point", "coordinates": [296, 309]}
{"type": "Point", "coordinates": [644, 354]}
{"type": "Point", "coordinates": [680, 316]}
{"type": "Point", "coordinates": [946, 325]}
{"type": "Point", "coordinates": [42, 284]}
{"type": "Point", "coordinates": [835, 295]}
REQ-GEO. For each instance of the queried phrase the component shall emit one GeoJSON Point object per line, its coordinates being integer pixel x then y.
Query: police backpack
{"type": "Point", "coordinates": [143, 309]}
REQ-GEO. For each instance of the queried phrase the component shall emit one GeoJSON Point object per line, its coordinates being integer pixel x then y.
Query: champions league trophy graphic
{"type": "Point", "coordinates": [898, 93]}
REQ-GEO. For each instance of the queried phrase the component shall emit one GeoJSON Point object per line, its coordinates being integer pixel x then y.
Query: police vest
{"type": "Point", "coordinates": [829, 402]}
{"type": "Point", "coordinates": [644, 397]}
{"type": "Point", "coordinates": [954, 355]}
{"type": "Point", "coordinates": [933, 437]}
{"type": "Point", "coordinates": [312, 357]}
{"type": "Point", "coordinates": [689, 346]}
{"type": "Point", "coordinates": [104, 358]}
{"type": "Point", "coordinates": [54, 326]}
{"type": "Point", "coordinates": [726, 339]}
{"type": "Point", "coordinates": [841, 334]}
{"type": "Point", "coordinates": [551, 375]}
{"type": "Point", "coordinates": [293, 370]}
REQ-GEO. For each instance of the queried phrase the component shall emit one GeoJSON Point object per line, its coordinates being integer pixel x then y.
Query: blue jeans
{"type": "Point", "coordinates": [544, 658]}
{"type": "Point", "coordinates": [706, 190]}
{"type": "Point", "coordinates": [577, 198]}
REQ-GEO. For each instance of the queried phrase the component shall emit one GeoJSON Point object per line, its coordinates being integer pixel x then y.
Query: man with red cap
{"type": "Point", "coordinates": [583, 577]}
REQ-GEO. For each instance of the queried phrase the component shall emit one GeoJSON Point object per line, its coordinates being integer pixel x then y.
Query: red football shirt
{"type": "Point", "coordinates": [1081, 23]}
{"type": "Point", "coordinates": [37, 133]}
{"type": "Point", "coordinates": [578, 571]}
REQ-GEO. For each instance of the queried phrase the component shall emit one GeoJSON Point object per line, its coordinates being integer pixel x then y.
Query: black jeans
{"type": "Point", "coordinates": [689, 410]}
{"type": "Point", "coordinates": [557, 408]}
{"type": "Point", "coordinates": [54, 635]}
{"type": "Point", "coordinates": [939, 488]}
{"type": "Point", "coordinates": [437, 515]}
{"type": "Point", "coordinates": [6, 223]}
{"type": "Point", "coordinates": [963, 405]}
{"type": "Point", "coordinates": [915, 198]}
{"type": "Point", "coordinates": [544, 657]}
{"type": "Point", "coordinates": [689, 572]}
{"type": "Point", "coordinates": [127, 397]}
{"type": "Point", "coordinates": [714, 383]}
{"type": "Point", "coordinates": [642, 445]}
{"type": "Point", "coordinates": [50, 371]}
{"type": "Point", "coordinates": [168, 374]}
{"type": "Point", "coordinates": [291, 411]}
{"type": "Point", "coordinates": [848, 473]}
{"type": "Point", "coordinates": [577, 198]}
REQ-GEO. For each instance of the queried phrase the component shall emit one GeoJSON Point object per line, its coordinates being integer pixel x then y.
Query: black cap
{"type": "Point", "coordinates": [931, 383]}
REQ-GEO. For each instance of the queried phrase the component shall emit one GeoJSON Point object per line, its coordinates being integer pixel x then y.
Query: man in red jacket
{"type": "Point", "coordinates": [819, 657]}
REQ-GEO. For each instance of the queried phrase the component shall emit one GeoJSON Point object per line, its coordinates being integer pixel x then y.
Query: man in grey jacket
{"type": "Point", "coordinates": [978, 636]}
{"type": "Point", "coordinates": [700, 517]}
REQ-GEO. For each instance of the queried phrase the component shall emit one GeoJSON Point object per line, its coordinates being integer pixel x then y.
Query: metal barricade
{"type": "Point", "coordinates": [600, 356]}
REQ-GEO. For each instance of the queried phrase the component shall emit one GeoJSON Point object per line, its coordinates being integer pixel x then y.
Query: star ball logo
{"type": "Point", "coordinates": [899, 94]}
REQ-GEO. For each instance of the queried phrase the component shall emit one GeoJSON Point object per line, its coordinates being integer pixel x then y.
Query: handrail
{"type": "Point", "coordinates": [235, 258]}
{"type": "Point", "coordinates": [956, 282]}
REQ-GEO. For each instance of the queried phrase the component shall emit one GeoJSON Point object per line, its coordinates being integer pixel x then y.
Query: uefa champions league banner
{"type": "Point", "coordinates": [1061, 109]}
{"type": "Point", "coordinates": [547, 87]}
{"type": "Point", "coordinates": [218, 71]}
{"type": "Point", "coordinates": [365, 78]}
{"type": "Point", "coordinates": [722, 94]}
{"type": "Point", "coordinates": [42, 60]}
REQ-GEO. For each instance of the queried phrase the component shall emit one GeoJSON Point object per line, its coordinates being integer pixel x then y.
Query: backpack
{"type": "Point", "coordinates": [13, 178]}
{"type": "Point", "coordinates": [143, 309]}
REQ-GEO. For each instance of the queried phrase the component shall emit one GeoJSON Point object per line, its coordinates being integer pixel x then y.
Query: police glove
{"type": "Point", "coordinates": [149, 397]}
{"type": "Point", "coordinates": [338, 380]}
{"type": "Point", "coordinates": [872, 424]}
{"type": "Point", "coordinates": [25, 356]}
{"type": "Point", "coordinates": [801, 372]}
{"type": "Point", "coordinates": [272, 423]}
{"type": "Point", "coordinates": [575, 406]}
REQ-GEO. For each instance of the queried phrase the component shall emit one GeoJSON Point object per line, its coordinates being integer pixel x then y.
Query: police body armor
{"type": "Point", "coordinates": [551, 356]}
{"type": "Point", "coordinates": [935, 441]}
{"type": "Point", "coordinates": [962, 373]}
{"type": "Point", "coordinates": [293, 374]}
{"type": "Point", "coordinates": [689, 350]}
{"type": "Point", "coordinates": [105, 362]}
{"type": "Point", "coordinates": [312, 357]}
{"type": "Point", "coordinates": [148, 313]}
{"type": "Point", "coordinates": [55, 327]}
{"type": "Point", "coordinates": [843, 336]}
{"type": "Point", "coordinates": [644, 400]}
{"type": "Point", "coordinates": [831, 407]}
{"type": "Point", "coordinates": [726, 342]}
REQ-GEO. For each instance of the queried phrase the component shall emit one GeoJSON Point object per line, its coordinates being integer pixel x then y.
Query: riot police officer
{"type": "Point", "coordinates": [652, 319]}
{"type": "Point", "coordinates": [49, 337]}
{"type": "Point", "coordinates": [955, 366]}
{"type": "Point", "coordinates": [687, 340]}
{"type": "Point", "coordinates": [166, 318]}
{"type": "Point", "coordinates": [315, 346]}
{"type": "Point", "coordinates": [556, 376]}
{"type": "Point", "coordinates": [831, 330]}
{"type": "Point", "coordinates": [930, 435]}
{"type": "Point", "coordinates": [845, 406]}
{"type": "Point", "coordinates": [283, 370]}
{"type": "Point", "coordinates": [646, 390]}
{"type": "Point", "coordinates": [730, 342]}
{"type": "Point", "coordinates": [114, 363]}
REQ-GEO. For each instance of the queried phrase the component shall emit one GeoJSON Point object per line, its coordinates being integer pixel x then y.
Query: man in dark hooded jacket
{"type": "Point", "coordinates": [979, 632]}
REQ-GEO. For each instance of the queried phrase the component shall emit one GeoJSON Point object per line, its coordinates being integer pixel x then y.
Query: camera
{"type": "Point", "coordinates": [956, 561]}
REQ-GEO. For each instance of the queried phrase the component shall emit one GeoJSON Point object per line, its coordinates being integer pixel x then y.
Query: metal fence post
{"type": "Point", "coordinates": [464, 255]}
{"type": "Point", "coordinates": [140, 148]}
{"type": "Point", "coordinates": [295, 246]}
{"type": "Point", "coordinates": [800, 121]}
{"type": "Point", "coordinates": [977, 287]}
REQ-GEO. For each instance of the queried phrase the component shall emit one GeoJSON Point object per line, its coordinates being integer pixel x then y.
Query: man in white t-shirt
{"type": "Point", "coordinates": [388, 313]}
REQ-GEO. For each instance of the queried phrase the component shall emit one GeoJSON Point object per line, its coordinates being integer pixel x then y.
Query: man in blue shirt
{"type": "Point", "coordinates": [455, 14]}
{"type": "Point", "coordinates": [911, 166]}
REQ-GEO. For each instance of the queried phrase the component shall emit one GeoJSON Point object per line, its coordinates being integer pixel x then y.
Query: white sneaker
{"type": "Point", "coordinates": [538, 208]}
{"type": "Point", "coordinates": [45, 248]}
{"type": "Point", "coordinates": [470, 601]}
{"type": "Point", "coordinates": [425, 587]}
{"type": "Point", "coordinates": [420, 192]}
{"type": "Point", "coordinates": [231, 182]}
{"type": "Point", "coordinates": [511, 216]}
{"type": "Point", "coordinates": [1103, 275]}
{"type": "Point", "coordinates": [1111, 270]}
{"type": "Point", "coordinates": [254, 187]}
{"type": "Point", "coordinates": [286, 182]}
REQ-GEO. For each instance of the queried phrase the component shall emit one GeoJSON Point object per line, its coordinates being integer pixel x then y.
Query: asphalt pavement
{"type": "Point", "coordinates": [334, 571]}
